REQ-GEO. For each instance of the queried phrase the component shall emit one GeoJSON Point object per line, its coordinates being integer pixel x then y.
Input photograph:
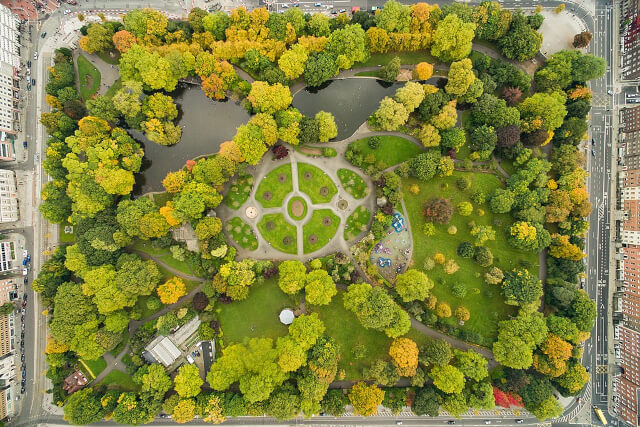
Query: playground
{"type": "Point", "coordinates": [393, 253]}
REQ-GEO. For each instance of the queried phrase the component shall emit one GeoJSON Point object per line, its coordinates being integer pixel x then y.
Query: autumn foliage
{"type": "Point", "coordinates": [506, 400]}
{"type": "Point", "coordinates": [404, 353]}
{"type": "Point", "coordinates": [171, 290]}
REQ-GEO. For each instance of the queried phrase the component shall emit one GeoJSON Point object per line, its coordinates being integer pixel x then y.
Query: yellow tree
{"type": "Point", "coordinates": [172, 290]}
{"type": "Point", "coordinates": [365, 398]}
{"type": "Point", "coordinates": [423, 71]}
{"type": "Point", "coordinates": [292, 62]}
{"type": "Point", "coordinates": [404, 353]}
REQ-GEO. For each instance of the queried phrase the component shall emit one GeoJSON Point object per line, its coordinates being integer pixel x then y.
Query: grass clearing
{"type": "Point", "coordinates": [485, 302]}
{"type": "Point", "coordinates": [323, 225]}
{"type": "Point", "coordinates": [353, 183]}
{"type": "Point", "coordinates": [178, 265]}
{"type": "Point", "coordinates": [146, 247]}
{"type": "Point", "coordinates": [89, 78]}
{"type": "Point", "coordinates": [316, 183]}
{"type": "Point", "coordinates": [64, 236]}
{"type": "Point", "coordinates": [110, 57]}
{"type": "Point", "coordinates": [239, 191]}
{"type": "Point", "coordinates": [275, 186]}
{"type": "Point", "coordinates": [93, 367]}
{"type": "Point", "coordinates": [406, 58]}
{"type": "Point", "coordinates": [117, 85]}
{"type": "Point", "coordinates": [119, 381]}
{"type": "Point", "coordinates": [391, 150]}
{"type": "Point", "coordinates": [242, 233]}
{"type": "Point", "coordinates": [357, 222]}
{"type": "Point", "coordinates": [256, 316]}
{"type": "Point", "coordinates": [161, 199]}
{"type": "Point", "coordinates": [279, 233]}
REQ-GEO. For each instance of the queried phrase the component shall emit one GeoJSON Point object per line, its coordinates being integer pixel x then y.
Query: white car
{"type": "Point", "coordinates": [35, 56]}
{"type": "Point", "coordinates": [25, 253]}
{"type": "Point", "coordinates": [610, 92]}
{"type": "Point", "coordinates": [25, 271]}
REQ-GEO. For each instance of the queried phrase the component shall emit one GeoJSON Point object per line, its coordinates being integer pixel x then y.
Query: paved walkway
{"type": "Point", "coordinates": [116, 362]}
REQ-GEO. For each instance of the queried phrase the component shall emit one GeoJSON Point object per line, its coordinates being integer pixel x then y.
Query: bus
{"type": "Point", "coordinates": [600, 415]}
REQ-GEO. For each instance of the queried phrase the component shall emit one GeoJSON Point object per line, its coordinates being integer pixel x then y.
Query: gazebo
{"type": "Point", "coordinates": [287, 316]}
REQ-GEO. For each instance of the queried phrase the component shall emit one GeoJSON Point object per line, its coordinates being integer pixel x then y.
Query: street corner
{"type": "Point", "coordinates": [558, 30]}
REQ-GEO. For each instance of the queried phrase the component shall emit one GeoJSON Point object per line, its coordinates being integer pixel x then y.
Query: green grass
{"type": "Point", "coordinates": [374, 73]}
{"type": "Point", "coordinates": [406, 58]}
{"type": "Point", "coordinates": [508, 166]}
{"type": "Point", "coordinates": [242, 233]}
{"type": "Point", "coordinates": [358, 220]}
{"type": "Point", "coordinates": [161, 199]}
{"type": "Point", "coordinates": [353, 183]}
{"type": "Point", "coordinates": [141, 305]}
{"type": "Point", "coordinates": [256, 316]}
{"type": "Point", "coordinates": [66, 237]}
{"type": "Point", "coordinates": [277, 189]}
{"type": "Point", "coordinates": [315, 227]}
{"type": "Point", "coordinates": [94, 366]}
{"type": "Point", "coordinates": [485, 302]}
{"type": "Point", "coordinates": [106, 57]}
{"type": "Point", "coordinates": [146, 247]}
{"type": "Point", "coordinates": [282, 228]}
{"type": "Point", "coordinates": [88, 86]}
{"type": "Point", "coordinates": [304, 211]}
{"type": "Point", "coordinates": [178, 265]}
{"type": "Point", "coordinates": [312, 185]}
{"type": "Point", "coordinates": [117, 85]}
{"type": "Point", "coordinates": [119, 381]}
{"type": "Point", "coordinates": [391, 150]}
{"type": "Point", "coordinates": [239, 191]}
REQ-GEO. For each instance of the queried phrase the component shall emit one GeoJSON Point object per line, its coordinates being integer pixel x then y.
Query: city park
{"type": "Point", "coordinates": [394, 181]}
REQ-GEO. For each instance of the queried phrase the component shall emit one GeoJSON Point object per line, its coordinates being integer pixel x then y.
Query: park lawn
{"type": "Point", "coordinates": [344, 327]}
{"type": "Point", "coordinates": [278, 190]}
{"type": "Point", "coordinates": [357, 222]}
{"type": "Point", "coordinates": [141, 305]}
{"type": "Point", "coordinates": [106, 56]}
{"type": "Point", "coordinates": [182, 266]}
{"type": "Point", "coordinates": [120, 381]}
{"type": "Point", "coordinates": [485, 302]}
{"type": "Point", "coordinates": [146, 247]}
{"type": "Point", "coordinates": [116, 86]}
{"type": "Point", "coordinates": [373, 73]}
{"type": "Point", "coordinates": [391, 151]}
{"type": "Point", "coordinates": [239, 191]}
{"type": "Point", "coordinates": [66, 237]}
{"type": "Point", "coordinates": [256, 316]}
{"type": "Point", "coordinates": [406, 58]}
{"type": "Point", "coordinates": [93, 367]}
{"type": "Point", "coordinates": [353, 183]}
{"type": "Point", "coordinates": [324, 233]}
{"type": "Point", "coordinates": [242, 233]}
{"type": "Point", "coordinates": [312, 185]}
{"type": "Point", "coordinates": [89, 78]}
{"type": "Point", "coordinates": [281, 229]}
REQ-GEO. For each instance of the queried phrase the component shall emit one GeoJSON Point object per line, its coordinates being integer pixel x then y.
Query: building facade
{"type": "Point", "coordinates": [8, 196]}
{"type": "Point", "coordinates": [8, 256]}
{"type": "Point", "coordinates": [630, 39]}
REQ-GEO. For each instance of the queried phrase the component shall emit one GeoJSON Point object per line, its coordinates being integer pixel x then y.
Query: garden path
{"type": "Point", "coordinates": [116, 362]}
{"type": "Point", "coordinates": [108, 73]}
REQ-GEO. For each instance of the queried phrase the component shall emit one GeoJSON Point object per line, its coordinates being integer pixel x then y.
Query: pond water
{"type": "Point", "coordinates": [205, 125]}
{"type": "Point", "coordinates": [350, 101]}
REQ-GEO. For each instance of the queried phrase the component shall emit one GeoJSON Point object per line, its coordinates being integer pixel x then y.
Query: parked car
{"type": "Point", "coordinates": [25, 253]}
{"type": "Point", "coordinates": [318, 5]}
{"type": "Point", "coordinates": [35, 56]}
{"type": "Point", "coordinates": [24, 144]}
{"type": "Point", "coordinates": [28, 258]}
{"type": "Point", "coordinates": [610, 92]}
{"type": "Point", "coordinates": [25, 271]}
{"type": "Point", "coordinates": [29, 64]}
{"type": "Point", "coordinates": [487, 421]}
{"type": "Point", "coordinates": [43, 35]}
{"type": "Point", "coordinates": [22, 357]}
{"type": "Point", "coordinates": [25, 297]}
{"type": "Point", "coordinates": [33, 82]}
{"type": "Point", "coordinates": [519, 421]}
{"type": "Point", "coordinates": [451, 422]}
{"type": "Point", "coordinates": [22, 390]}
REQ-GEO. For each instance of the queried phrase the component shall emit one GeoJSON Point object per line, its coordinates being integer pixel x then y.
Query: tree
{"type": "Point", "coordinates": [574, 379]}
{"type": "Point", "coordinates": [547, 107]}
{"type": "Point", "coordinates": [99, 38]}
{"type": "Point", "coordinates": [583, 311]}
{"type": "Point", "coordinates": [375, 309]}
{"type": "Point", "coordinates": [548, 408]}
{"type": "Point", "coordinates": [462, 313]}
{"type": "Point", "coordinates": [327, 128]}
{"type": "Point", "coordinates": [521, 42]}
{"type": "Point", "coordinates": [83, 407]}
{"type": "Point", "coordinates": [172, 290]}
{"type": "Point", "coordinates": [410, 95]}
{"type": "Point", "coordinates": [319, 288]}
{"type": "Point", "coordinates": [521, 288]}
{"type": "Point", "coordinates": [102, 106]}
{"type": "Point", "coordinates": [394, 17]}
{"type": "Point", "coordinates": [123, 40]}
{"type": "Point", "coordinates": [347, 45]}
{"type": "Point", "coordinates": [455, 404]}
{"type": "Point", "coordinates": [184, 411]}
{"type": "Point", "coordinates": [269, 98]}
{"type": "Point", "coordinates": [365, 398]}
{"type": "Point", "coordinates": [447, 117]}
{"type": "Point", "coordinates": [188, 381]}
{"type": "Point", "coordinates": [404, 353]}
{"type": "Point", "coordinates": [426, 402]}
{"type": "Point", "coordinates": [292, 275]}
{"type": "Point", "coordinates": [447, 378]}
{"type": "Point", "coordinates": [283, 404]}
{"type": "Point", "coordinates": [561, 247]}
{"type": "Point", "coordinates": [320, 67]}
{"type": "Point", "coordinates": [413, 285]}
{"type": "Point", "coordinates": [334, 402]}
{"type": "Point", "coordinates": [438, 210]}
{"type": "Point", "coordinates": [471, 364]}
{"type": "Point", "coordinates": [452, 39]}
{"type": "Point", "coordinates": [429, 136]}
{"type": "Point", "coordinates": [153, 379]}
{"type": "Point", "coordinates": [493, 276]}
{"type": "Point", "coordinates": [234, 279]}
{"type": "Point", "coordinates": [460, 77]}
{"type": "Point", "coordinates": [437, 352]}
{"type": "Point", "coordinates": [482, 233]}
{"type": "Point", "coordinates": [512, 95]}
{"type": "Point", "coordinates": [443, 310]}
{"type": "Point", "coordinates": [423, 71]}
{"type": "Point", "coordinates": [389, 72]}
{"type": "Point", "coordinates": [390, 115]}
{"type": "Point", "coordinates": [145, 23]}
{"type": "Point", "coordinates": [293, 61]}
{"type": "Point", "coordinates": [517, 337]}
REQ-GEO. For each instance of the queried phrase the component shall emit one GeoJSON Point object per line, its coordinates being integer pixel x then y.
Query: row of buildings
{"type": "Point", "coordinates": [626, 382]}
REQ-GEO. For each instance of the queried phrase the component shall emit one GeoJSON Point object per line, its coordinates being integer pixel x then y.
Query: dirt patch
{"type": "Point", "coordinates": [88, 81]}
{"type": "Point", "coordinates": [308, 176]}
{"type": "Point", "coordinates": [282, 178]}
{"type": "Point", "coordinates": [297, 208]}
{"type": "Point", "coordinates": [313, 239]}
{"type": "Point", "coordinates": [270, 225]}
{"type": "Point", "coordinates": [324, 191]}
{"type": "Point", "coordinates": [405, 75]}
{"type": "Point", "coordinates": [327, 221]}
{"type": "Point", "coordinates": [287, 240]}
{"type": "Point", "coordinates": [343, 204]}
{"type": "Point", "coordinates": [311, 151]}
{"type": "Point", "coordinates": [267, 195]}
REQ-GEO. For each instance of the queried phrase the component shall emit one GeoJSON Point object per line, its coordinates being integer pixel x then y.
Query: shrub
{"type": "Point", "coordinates": [431, 302]}
{"type": "Point", "coordinates": [439, 258]}
{"type": "Point", "coordinates": [494, 276]}
{"type": "Point", "coordinates": [480, 212]}
{"type": "Point", "coordinates": [451, 267]}
{"type": "Point", "coordinates": [463, 183]}
{"type": "Point", "coordinates": [465, 250]}
{"type": "Point", "coordinates": [443, 310]}
{"type": "Point", "coordinates": [414, 189]}
{"type": "Point", "coordinates": [429, 229]}
{"type": "Point", "coordinates": [465, 208]}
{"type": "Point", "coordinates": [428, 265]}
{"type": "Point", "coordinates": [462, 313]}
{"type": "Point", "coordinates": [373, 142]}
{"type": "Point", "coordinates": [483, 256]}
{"type": "Point", "coordinates": [452, 229]}
{"type": "Point", "coordinates": [438, 210]}
{"type": "Point", "coordinates": [479, 197]}
{"type": "Point", "coordinates": [459, 290]}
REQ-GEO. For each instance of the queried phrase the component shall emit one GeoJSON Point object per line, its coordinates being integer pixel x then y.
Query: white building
{"type": "Point", "coordinates": [8, 196]}
{"type": "Point", "coordinates": [9, 37]}
{"type": "Point", "coordinates": [9, 99]}
{"type": "Point", "coordinates": [8, 256]}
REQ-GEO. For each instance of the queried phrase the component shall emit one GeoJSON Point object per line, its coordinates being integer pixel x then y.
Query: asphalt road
{"type": "Point", "coordinates": [596, 349]}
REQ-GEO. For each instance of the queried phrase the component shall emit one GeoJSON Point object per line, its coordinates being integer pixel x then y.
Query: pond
{"type": "Point", "coordinates": [350, 101]}
{"type": "Point", "coordinates": [205, 125]}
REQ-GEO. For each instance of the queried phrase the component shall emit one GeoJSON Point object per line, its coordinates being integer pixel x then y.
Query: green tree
{"type": "Point", "coordinates": [327, 128]}
{"type": "Point", "coordinates": [365, 398]}
{"type": "Point", "coordinates": [521, 42]}
{"type": "Point", "coordinates": [521, 288]}
{"type": "Point", "coordinates": [473, 365]}
{"type": "Point", "coordinates": [188, 381]}
{"type": "Point", "coordinates": [153, 379]}
{"type": "Point", "coordinates": [394, 17]}
{"type": "Point", "coordinates": [390, 115]}
{"type": "Point", "coordinates": [320, 67]}
{"type": "Point", "coordinates": [447, 378]}
{"type": "Point", "coordinates": [83, 407]}
{"type": "Point", "coordinates": [452, 39]}
{"type": "Point", "coordinates": [426, 402]}
{"type": "Point", "coordinates": [319, 288]}
{"type": "Point", "coordinates": [437, 352]}
{"type": "Point", "coordinates": [292, 275]}
{"type": "Point", "coordinates": [413, 285]}
{"type": "Point", "coordinates": [389, 72]}
{"type": "Point", "coordinates": [375, 309]}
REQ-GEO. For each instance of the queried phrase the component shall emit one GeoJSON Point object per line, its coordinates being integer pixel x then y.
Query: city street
{"type": "Point", "coordinates": [35, 406]}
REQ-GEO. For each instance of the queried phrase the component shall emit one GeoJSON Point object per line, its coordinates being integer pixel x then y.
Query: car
{"type": "Point", "coordinates": [519, 421]}
{"type": "Point", "coordinates": [610, 92]}
{"type": "Point", "coordinates": [24, 144]}
{"type": "Point", "coordinates": [318, 5]}
{"type": "Point", "coordinates": [586, 369]}
{"type": "Point", "coordinates": [487, 421]}
{"type": "Point", "coordinates": [398, 423]}
{"type": "Point", "coordinates": [24, 374]}
{"type": "Point", "coordinates": [582, 283]}
{"type": "Point", "coordinates": [21, 343]}
{"type": "Point", "coordinates": [25, 297]}
{"type": "Point", "coordinates": [33, 82]}
{"type": "Point", "coordinates": [451, 422]}
{"type": "Point", "coordinates": [29, 256]}
{"type": "Point", "coordinates": [35, 56]}
{"type": "Point", "coordinates": [334, 12]}
{"type": "Point", "coordinates": [343, 10]}
{"type": "Point", "coordinates": [25, 253]}
{"type": "Point", "coordinates": [285, 6]}
{"type": "Point", "coordinates": [593, 141]}
{"type": "Point", "coordinates": [29, 64]}
{"type": "Point", "coordinates": [22, 390]}
{"type": "Point", "coordinates": [593, 152]}
{"type": "Point", "coordinates": [23, 311]}
{"type": "Point", "coordinates": [43, 35]}
{"type": "Point", "coordinates": [26, 281]}
{"type": "Point", "coordinates": [25, 271]}
{"type": "Point", "coordinates": [22, 335]}
{"type": "Point", "coordinates": [28, 86]}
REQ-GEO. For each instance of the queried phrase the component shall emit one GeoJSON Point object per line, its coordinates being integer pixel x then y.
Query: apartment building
{"type": "Point", "coordinates": [630, 38]}
{"type": "Point", "coordinates": [9, 256]}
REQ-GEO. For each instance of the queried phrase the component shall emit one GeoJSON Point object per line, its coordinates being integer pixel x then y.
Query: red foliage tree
{"type": "Point", "coordinates": [438, 210]}
{"type": "Point", "coordinates": [512, 95]}
{"type": "Point", "coordinates": [508, 136]}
